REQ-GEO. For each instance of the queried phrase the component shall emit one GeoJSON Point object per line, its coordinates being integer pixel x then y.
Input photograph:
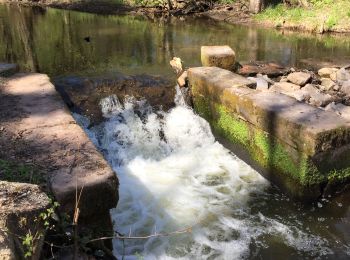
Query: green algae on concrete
{"type": "Point", "coordinates": [303, 172]}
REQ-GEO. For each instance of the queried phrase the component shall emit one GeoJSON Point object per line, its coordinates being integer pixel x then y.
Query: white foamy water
{"type": "Point", "coordinates": [174, 175]}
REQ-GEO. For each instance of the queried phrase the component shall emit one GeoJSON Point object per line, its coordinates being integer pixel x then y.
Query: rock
{"type": "Point", "coordinates": [333, 76]}
{"type": "Point", "coordinates": [317, 98]}
{"type": "Point", "coordinates": [340, 109]}
{"type": "Point", "coordinates": [272, 70]}
{"type": "Point", "coordinates": [284, 88]}
{"type": "Point", "coordinates": [299, 78]}
{"type": "Point", "coordinates": [327, 72]}
{"type": "Point", "coordinates": [83, 94]}
{"type": "Point", "coordinates": [261, 83]}
{"type": "Point", "coordinates": [8, 69]}
{"type": "Point", "coordinates": [58, 145]}
{"type": "Point", "coordinates": [327, 83]}
{"type": "Point", "coordinates": [342, 75]}
{"type": "Point", "coordinates": [301, 95]}
{"type": "Point", "coordinates": [176, 64]}
{"type": "Point", "coordinates": [284, 79]}
{"type": "Point", "coordinates": [182, 79]}
{"type": "Point", "coordinates": [345, 88]}
{"type": "Point", "coordinates": [20, 207]}
{"type": "Point", "coordinates": [218, 56]}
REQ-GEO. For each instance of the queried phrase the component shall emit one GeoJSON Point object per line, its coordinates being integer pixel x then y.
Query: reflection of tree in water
{"type": "Point", "coordinates": [52, 42]}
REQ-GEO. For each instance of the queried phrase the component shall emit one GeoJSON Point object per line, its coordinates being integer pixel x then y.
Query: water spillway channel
{"type": "Point", "coordinates": [173, 174]}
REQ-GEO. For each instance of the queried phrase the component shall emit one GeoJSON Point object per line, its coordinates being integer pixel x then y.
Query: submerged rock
{"type": "Point", "coordinates": [270, 69]}
{"type": "Point", "coordinates": [83, 94]}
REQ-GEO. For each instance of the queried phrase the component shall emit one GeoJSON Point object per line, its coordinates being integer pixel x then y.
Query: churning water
{"type": "Point", "coordinates": [174, 175]}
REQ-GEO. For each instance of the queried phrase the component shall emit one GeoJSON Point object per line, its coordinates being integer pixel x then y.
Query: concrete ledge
{"type": "Point", "coordinates": [20, 206]}
{"type": "Point", "coordinates": [57, 144]}
{"type": "Point", "coordinates": [282, 135]}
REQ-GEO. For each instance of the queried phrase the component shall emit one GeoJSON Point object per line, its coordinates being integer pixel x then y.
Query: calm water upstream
{"type": "Point", "coordinates": [173, 174]}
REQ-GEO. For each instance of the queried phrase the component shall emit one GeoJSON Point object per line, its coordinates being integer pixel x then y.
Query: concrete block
{"type": "Point", "coordinates": [218, 56]}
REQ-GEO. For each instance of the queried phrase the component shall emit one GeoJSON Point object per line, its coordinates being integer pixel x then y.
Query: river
{"type": "Point", "coordinates": [173, 174]}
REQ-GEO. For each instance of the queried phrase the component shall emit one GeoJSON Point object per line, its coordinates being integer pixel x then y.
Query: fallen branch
{"type": "Point", "coordinates": [118, 236]}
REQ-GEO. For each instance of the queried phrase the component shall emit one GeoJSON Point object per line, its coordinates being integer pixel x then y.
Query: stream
{"type": "Point", "coordinates": [173, 173]}
{"type": "Point", "coordinates": [175, 176]}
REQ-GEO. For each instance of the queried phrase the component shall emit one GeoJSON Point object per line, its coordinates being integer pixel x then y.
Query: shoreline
{"type": "Point", "coordinates": [236, 14]}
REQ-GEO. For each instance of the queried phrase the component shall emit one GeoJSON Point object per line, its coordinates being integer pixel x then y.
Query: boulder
{"type": "Point", "coordinates": [270, 69]}
{"type": "Point", "coordinates": [340, 109]}
{"type": "Point", "coordinates": [299, 78]}
{"type": "Point", "coordinates": [20, 207]}
{"type": "Point", "coordinates": [327, 83]}
{"type": "Point", "coordinates": [285, 88]}
{"type": "Point", "coordinates": [218, 56]}
{"type": "Point", "coordinates": [345, 88]}
{"type": "Point", "coordinates": [327, 72]}
{"type": "Point", "coordinates": [8, 69]}
{"type": "Point", "coordinates": [261, 83]}
{"type": "Point", "coordinates": [317, 98]}
{"type": "Point", "coordinates": [342, 75]}
{"type": "Point", "coordinates": [83, 94]}
{"type": "Point", "coordinates": [181, 81]}
{"type": "Point", "coordinates": [301, 95]}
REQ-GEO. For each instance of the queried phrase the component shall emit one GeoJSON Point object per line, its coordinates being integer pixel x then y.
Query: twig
{"type": "Point", "coordinates": [117, 236]}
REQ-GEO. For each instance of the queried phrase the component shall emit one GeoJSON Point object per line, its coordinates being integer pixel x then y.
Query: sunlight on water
{"type": "Point", "coordinates": [174, 175]}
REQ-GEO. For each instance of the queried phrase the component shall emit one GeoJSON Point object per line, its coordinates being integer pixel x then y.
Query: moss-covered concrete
{"type": "Point", "coordinates": [304, 172]}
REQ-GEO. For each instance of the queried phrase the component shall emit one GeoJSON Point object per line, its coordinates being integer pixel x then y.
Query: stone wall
{"type": "Point", "coordinates": [302, 148]}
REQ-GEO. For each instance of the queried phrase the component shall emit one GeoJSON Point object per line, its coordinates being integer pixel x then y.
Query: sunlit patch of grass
{"type": "Point", "coordinates": [328, 12]}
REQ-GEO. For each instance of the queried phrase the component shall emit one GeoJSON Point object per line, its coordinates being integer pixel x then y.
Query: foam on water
{"type": "Point", "coordinates": [173, 175]}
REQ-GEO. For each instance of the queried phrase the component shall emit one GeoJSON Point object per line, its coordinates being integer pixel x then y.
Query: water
{"type": "Point", "coordinates": [52, 41]}
{"type": "Point", "coordinates": [174, 175]}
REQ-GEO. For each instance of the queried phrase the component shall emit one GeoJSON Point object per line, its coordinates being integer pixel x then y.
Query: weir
{"type": "Point", "coordinates": [304, 149]}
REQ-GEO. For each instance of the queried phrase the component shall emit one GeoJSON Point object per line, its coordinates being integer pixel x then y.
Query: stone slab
{"type": "Point", "coordinates": [299, 147]}
{"type": "Point", "coordinates": [218, 56]}
{"type": "Point", "coordinates": [57, 144]}
{"type": "Point", "coordinates": [300, 125]}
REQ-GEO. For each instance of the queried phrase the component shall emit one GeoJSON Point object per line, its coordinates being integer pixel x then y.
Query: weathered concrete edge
{"type": "Point", "coordinates": [49, 121]}
{"type": "Point", "coordinates": [304, 174]}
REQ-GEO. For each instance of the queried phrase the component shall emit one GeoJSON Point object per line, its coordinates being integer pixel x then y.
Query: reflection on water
{"type": "Point", "coordinates": [52, 41]}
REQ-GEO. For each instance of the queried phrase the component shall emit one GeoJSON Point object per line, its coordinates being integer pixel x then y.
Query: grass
{"type": "Point", "coordinates": [11, 171]}
{"type": "Point", "coordinates": [321, 14]}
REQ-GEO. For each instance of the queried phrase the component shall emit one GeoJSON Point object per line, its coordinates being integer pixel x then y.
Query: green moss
{"type": "Point", "coordinates": [268, 151]}
{"type": "Point", "coordinates": [12, 171]}
{"type": "Point", "coordinates": [202, 107]}
{"type": "Point", "coordinates": [234, 129]}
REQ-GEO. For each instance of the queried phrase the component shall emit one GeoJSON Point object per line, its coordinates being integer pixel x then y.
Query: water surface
{"type": "Point", "coordinates": [52, 41]}
{"type": "Point", "coordinates": [173, 173]}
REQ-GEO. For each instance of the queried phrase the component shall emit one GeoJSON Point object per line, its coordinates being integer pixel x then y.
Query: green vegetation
{"type": "Point", "coordinates": [317, 15]}
{"type": "Point", "coordinates": [268, 151]}
{"type": "Point", "coordinates": [11, 171]}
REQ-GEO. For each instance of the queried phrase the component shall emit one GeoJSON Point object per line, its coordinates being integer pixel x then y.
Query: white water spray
{"type": "Point", "coordinates": [173, 175]}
